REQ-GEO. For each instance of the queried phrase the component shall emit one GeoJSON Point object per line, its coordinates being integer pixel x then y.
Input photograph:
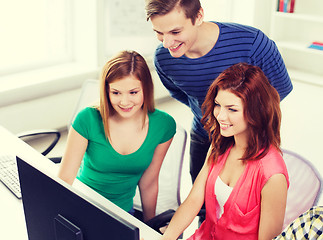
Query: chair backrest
{"type": "Point", "coordinates": [169, 175]}
{"type": "Point", "coordinates": [89, 95]}
{"type": "Point", "coordinates": [305, 186]}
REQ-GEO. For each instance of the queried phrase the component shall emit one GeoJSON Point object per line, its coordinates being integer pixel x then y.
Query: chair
{"type": "Point", "coordinates": [305, 186]}
{"type": "Point", "coordinates": [170, 173]}
{"type": "Point", "coordinates": [89, 95]}
{"type": "Point", "coordinates": [168, 199]}
{"type": "Point", "coordinates": [25, 136]}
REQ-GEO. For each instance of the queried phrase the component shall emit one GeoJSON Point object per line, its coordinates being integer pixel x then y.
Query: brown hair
{"type": "Point", "coordinates": [120, 66]}
{"type": "Point", "coordinates": [163, 7]}
{"type": "Point", "coordinates": [261, 111]}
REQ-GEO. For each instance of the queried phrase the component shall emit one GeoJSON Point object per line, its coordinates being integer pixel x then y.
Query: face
{"type": "Point", "coordinates": [228, 111]}
{"type": "Point", "coordinates": [126, 96]}
{"type": "Point", "coordinates": [176, 32]}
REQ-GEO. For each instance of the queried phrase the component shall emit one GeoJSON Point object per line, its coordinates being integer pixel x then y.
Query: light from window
{"type": "Point", "coordinates": [34, 34]}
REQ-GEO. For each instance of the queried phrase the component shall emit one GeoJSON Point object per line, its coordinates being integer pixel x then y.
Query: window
{"type": "Point", "coordinates": [47, 47]}
{"type": "Point", "coordinates": [34, 34]}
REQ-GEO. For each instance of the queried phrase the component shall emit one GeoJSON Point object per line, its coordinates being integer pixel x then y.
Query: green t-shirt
{"type": "Point", "coordinates": [111, 174]}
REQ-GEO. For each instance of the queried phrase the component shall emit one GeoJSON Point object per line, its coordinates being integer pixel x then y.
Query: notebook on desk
{"type": "Point", "coordinates": [54, 210]}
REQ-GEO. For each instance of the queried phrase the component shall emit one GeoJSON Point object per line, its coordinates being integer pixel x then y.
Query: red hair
{"type": "Point", "coordinates": [261, 111]}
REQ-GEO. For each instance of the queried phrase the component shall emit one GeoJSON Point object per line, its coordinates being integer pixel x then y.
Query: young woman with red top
{"type": "Point", "coordinates": [244, 179]}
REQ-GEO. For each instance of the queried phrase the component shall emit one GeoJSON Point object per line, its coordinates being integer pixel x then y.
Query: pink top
{"type": "Point", "coordinates": [240, 219]}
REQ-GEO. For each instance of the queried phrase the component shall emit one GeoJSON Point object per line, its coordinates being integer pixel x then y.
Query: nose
{"type": "Point", "coordinates": [124, 100]}
{"type": "Point", "coordinates": [167, 41]}
{"type": "Point", "coordinates": [220, 114]}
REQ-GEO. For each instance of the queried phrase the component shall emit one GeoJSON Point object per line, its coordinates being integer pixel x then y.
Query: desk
{"type": "Point", "coordinates": [12, 220]}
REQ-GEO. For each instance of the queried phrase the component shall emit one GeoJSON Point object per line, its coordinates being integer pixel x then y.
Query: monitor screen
{"type": "Point", "coordinates": [56, 211]}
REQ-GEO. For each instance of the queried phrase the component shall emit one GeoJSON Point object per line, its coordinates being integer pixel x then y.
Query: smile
{"type": "Point", "coordinates": [126, 109]}
{"type": "Point", "coordinates": [225, 126]}
{"type": "Point", "coordinates": [176, 47]}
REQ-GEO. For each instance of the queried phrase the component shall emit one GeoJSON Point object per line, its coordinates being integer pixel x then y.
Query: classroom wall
{"type": "Point", "coordinates": [54, 109]}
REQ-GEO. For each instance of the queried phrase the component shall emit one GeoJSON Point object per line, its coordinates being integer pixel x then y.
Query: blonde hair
{"type": "Point", "coordinates": [123, 64]}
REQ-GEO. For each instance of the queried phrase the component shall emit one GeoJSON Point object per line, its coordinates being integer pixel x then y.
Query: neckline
{"type": "Point", "coordinates": [139, 149]}
{"type": "Point", "coordinates": [223, 183]}
{"type": "Point", "coordinates": [234, 188]}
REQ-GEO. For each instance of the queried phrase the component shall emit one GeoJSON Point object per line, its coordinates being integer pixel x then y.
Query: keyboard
{"type": "Point", "coordinates": [9, 174]}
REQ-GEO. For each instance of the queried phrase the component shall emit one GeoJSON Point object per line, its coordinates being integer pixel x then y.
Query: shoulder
{"type": "Point", "coordinates": [86, 116]}
{"type": "Point", "coordinates": [162, 123]}
{"type": "Point", "coordinates": [88, 112]}
{"type": "Point", "coordinates": [161, 117]}
{"type": "Point", "coordinates": [160, 50]}
{"type": "Point", "coordinates": [242, 34]}
{"type": "Point", "coordinates": [238, 28]}
{"type": "Point", "coordinates": [273, 157]}
{"type": "Point", "coordinates": [273, 163]}
{"type": "Point", "coordinates": [162, 53]}
{"type": "Point", "coordinates": [88, 120]}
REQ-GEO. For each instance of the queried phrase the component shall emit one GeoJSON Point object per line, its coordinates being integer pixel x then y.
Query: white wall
{"type": "Point", "coordinates": [53, 106]}
{"type": "Point", "coordinates": [51, 112]}
{"type": "Point", "coordinates": [250, 12]}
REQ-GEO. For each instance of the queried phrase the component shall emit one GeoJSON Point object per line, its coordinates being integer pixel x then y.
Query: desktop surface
{"type": "Point", "coordinates": [12, 220]}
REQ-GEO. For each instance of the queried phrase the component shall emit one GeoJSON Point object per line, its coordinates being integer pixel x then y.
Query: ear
{"type": "Point", "coordinates": [200, 17]}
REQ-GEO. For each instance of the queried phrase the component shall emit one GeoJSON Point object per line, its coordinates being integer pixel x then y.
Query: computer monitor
{"type": "Point", "coordinates": [57, 211]}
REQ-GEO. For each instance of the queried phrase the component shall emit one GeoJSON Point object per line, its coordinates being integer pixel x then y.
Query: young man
{"type": "Point", "coordinates": [194, 52]}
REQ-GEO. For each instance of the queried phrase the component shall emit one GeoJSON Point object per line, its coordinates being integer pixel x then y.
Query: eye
{"type": "Point", "coordinates": [233, 110]}
{"type": "Point", "coordinates": [176, 32]}
{"type": "Point", "coordinates": [115, 92]}
{"type": "Point", "coordinates": [133, 92]}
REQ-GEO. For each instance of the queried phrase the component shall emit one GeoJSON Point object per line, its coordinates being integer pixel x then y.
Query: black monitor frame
{"type": "Point", "coordinates": [55, 210]}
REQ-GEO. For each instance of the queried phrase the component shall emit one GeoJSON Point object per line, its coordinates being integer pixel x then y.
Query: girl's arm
{"type": "Point", "coordinates": [71, 161]}
{"type": "Point", "coordinates": [188, 210]}
{"type": "Point", "coordinates": [148, 184]}
{"type": "Point", "coordinates": [273, 204]}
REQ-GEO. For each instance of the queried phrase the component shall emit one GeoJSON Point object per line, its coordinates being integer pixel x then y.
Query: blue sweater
{"type": "Point", "coordinates": [189, 79]}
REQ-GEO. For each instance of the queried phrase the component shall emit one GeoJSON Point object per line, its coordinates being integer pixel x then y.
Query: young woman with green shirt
{"type": "Point", "coordinates": [121, 143]}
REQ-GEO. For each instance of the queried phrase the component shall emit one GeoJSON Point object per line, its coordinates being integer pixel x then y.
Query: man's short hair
{"type": "Point", "coordinates": [163, 7]}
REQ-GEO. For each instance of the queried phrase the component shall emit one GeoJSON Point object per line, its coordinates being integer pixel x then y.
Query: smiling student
{"type": "Point", "coordinates": [194, 52]}
{"type": "Point", "coordinates": [244, 180]}
{"type": "Point", "coordinates": [121, 143]}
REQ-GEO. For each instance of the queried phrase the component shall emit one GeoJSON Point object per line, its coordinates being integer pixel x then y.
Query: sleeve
{"type": "Point", "coordinates": [81, 122]}
{"type": "Point", "coordinates": [174, 91]}
{"type": "Point", "coordinates": [273, 163]}
{"type": "Point", "coordinates": [168, 125]}
{"type": "Point", "coordinates": [265, 55]}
